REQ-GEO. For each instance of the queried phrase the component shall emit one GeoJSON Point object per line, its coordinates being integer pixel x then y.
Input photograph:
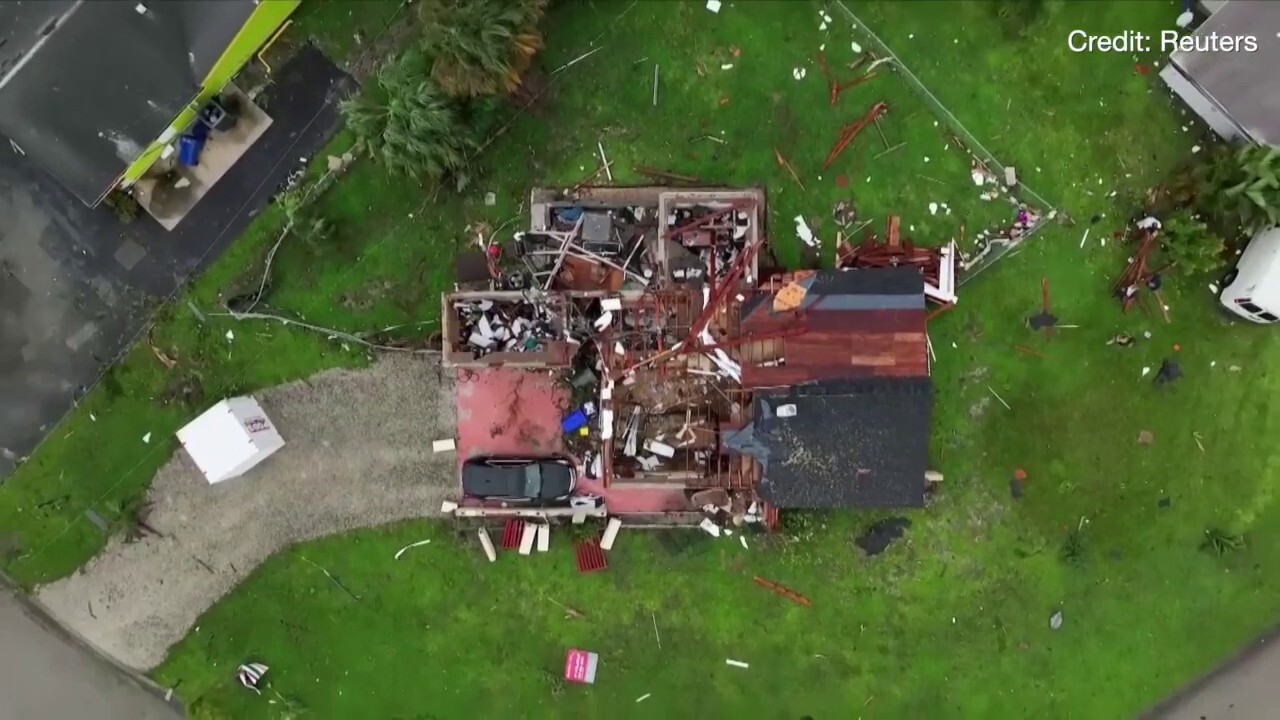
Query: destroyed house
{"type": "Point", "coordinates": [696, 380]}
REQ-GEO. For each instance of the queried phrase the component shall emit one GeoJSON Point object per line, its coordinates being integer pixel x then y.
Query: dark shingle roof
{"type": "Point", "coordinates": [87, 86]}
{"type": "Point", "coordinates": [861, 443]}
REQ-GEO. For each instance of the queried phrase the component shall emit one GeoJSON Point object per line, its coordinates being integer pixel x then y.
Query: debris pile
{"type": "Point", "coordinates": [937, 264]}
{"type": "Point", "coordinates": [486, 326]}
{"type": "Point", "coordinates": [1139, 275]}
{"type": "Point", "coordinates": [583, 249]}
{"type": "Point", "coordinates": [708, 239]}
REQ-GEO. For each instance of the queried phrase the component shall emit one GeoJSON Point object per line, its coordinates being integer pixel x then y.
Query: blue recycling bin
{"type": "Point", "coordinates": [189, 148]}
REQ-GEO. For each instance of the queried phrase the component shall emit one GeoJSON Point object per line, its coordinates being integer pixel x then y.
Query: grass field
{"type": "Point", "coordinates": [950, 622]}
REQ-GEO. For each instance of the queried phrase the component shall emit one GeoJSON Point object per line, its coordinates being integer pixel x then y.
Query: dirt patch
{"type": "Point", "coordinates": [357, 455]}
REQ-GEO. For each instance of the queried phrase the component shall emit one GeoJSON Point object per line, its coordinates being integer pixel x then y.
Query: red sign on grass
{"type": "Point", "coordinates": [580, 667]}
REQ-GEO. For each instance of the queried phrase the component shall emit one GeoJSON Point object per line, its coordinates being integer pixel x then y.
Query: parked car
{"type": "Point", "coordinates": [536, 481]}
{"type": "Point", "coordinates": [1252, 288]}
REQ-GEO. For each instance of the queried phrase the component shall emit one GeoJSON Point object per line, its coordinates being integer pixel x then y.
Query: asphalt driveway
{"type": "Point", "coordinates": [77, 286]}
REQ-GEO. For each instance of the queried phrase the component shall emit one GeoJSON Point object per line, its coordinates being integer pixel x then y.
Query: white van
{"type": "Point", "coordinates": [1252, 289]}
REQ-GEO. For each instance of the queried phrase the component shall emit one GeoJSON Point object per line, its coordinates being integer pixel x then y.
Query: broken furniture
{"type": "Point", "coordinates": [230, 438]}
{"type": "Point", "coordinates": [524, 329]}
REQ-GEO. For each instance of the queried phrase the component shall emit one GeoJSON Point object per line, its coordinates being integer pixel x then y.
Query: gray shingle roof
{"type": "Point", "coordinates": [851, 443]}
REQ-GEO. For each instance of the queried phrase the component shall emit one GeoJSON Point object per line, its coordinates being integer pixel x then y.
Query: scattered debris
{"type": "Point", "coordinates": [646, 696]}
{"type": "Point", "coordinates": [146, 438]}
{"type": "Point", "coordinates": [250, 675]}
{"type": "Point", "coordinates": [611, 532]}
{"type": "Point", "coordinates": [878, 537]}
{"type": "Point", "coordinates": [713, 6]}
{"type": "Point", "coordinates": [996, 395]}
{"type": "Point", "coordinates": [569, 612]}
{"type": "Point", "coordinates": [486, 544]}
{"type": "Point", "coordinates": [1055, 620]}
{"type": "Point", "coordinates": [851, 131]}
{"type": "Point", "coordinates": [782, 590]}
{"type": "Point", "coordinates": [804, 233]}
{"type": "Point", "coordinates": [736, 663]}
{"type": "Point", "coordinates": [657, 638]}
{"type": "Point", "coordinates": [580, 667]}
{"type": "Point", "coordinates": [446, 445]}
{"type": "Point", "coordinates": [1196, 436]}
{"type": "Point", "coordinates": [784, 163]}
{"type": "Point", "coordinates": [329, 575]}
{"type": "Point", "coordinates": [1045, 319]}
{"type": "Point", "coordinates": [1145, 437]}
{"type": "Point", "coordinates": [409, 547]}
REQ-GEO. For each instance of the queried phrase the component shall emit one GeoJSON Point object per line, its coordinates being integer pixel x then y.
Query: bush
{"type": "Point", "coordinates": [1239, 188]}
{"type": "Point", "coordinates": [405, 122]}
{"type": "Point", "coordinates": [1189, 245]}
{"type": "Point", "coordinates": [481, 47]}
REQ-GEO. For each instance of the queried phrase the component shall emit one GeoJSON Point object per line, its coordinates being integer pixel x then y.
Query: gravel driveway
{"type": "Point", "coordinates": [357, 454]}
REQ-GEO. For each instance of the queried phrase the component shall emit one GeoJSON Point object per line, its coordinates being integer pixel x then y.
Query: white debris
{"type": "Point", "coordinates": [1213, 288]}
{"type": "Point", "coordinates": [709, 527]}
{"type": "Point", "coordinates": [727, 66]}
{"type": "Point", "coordinates": [230, 336]}
{"type": "Point", "coordinates": [926, 158]}
{"type": "Point", "coordinates": [1145, 370]}
{"type": "Point", "coordinates": [645, 696]}
{"type": "Point", "coordinates": [1195, 149]}
{"type": "Point", "coordinates": [933, 208]}
{"type": "Point", "coordinates": [445, 445]}
{"type": "Point", "coordinates": [823, 26]}
{"type": "Point", "coordinates": [1149, 223]}
{"type": "Point", "coordinates": [979, 177]}
{"type": "Point", "coordinates": [146, 438]}
{"type": "Point", "coordinates": [1010, 176]}
{"type": "Point", "coordinates": [805, 233]}
{"type": "Point", "coordinates": [799, 73]}
{"type": "Point", "coordinates": [743, 539]}
{"type": "Point", "coordinates": [713, 5]}
{"type": "Point", "coordinates": [856, 48]}
{"type": "Point", "coordinates": [786, 411]}
{"type": "Point", "coordinates": [1084, 237]}
{"type": "Point", "coordinates": [736, 663]}
{"type": "Point", "coordinates": [1185, 19]}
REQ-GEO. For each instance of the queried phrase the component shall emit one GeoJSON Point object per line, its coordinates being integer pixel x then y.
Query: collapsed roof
{"type": "Point", "coordinates": [86, 87]}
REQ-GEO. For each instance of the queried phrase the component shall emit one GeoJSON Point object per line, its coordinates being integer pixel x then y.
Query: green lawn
{"type": "Point", "coordinates": [951, 622]}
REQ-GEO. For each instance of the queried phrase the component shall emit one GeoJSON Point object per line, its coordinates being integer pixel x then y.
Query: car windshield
{"type": "Point", "coordinates": [532, 480]}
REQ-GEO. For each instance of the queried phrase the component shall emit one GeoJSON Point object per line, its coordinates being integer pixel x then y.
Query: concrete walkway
{"type": "Point", "coordinates": [1245, 688]}
{"type": "Point", "coordinates": [47, 674]}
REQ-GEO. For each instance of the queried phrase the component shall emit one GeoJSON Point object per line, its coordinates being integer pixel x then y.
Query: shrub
{"type": "Point", "coordinates": [481, 47]}
{"type": "Point", "coordinates": [405, 122]}
{"type": "Point", "coordinates": [1189, 244]}
{"type": "Point", "coordinates": [1239, 188]}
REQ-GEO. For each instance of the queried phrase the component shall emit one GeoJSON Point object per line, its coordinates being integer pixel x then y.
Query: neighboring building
{"type": "Point", "coordinates": [1236, 93]}
{"type": "Point", "coordinates": [95, 93]}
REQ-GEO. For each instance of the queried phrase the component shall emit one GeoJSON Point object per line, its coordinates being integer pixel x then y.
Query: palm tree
{"type": "Point", "coordinates": [481, 47]}
{"type": "Point", "coordinates": [406, 122]}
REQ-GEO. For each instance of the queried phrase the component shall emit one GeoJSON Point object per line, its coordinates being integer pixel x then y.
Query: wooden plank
{"type": "Point", "coordinates": [895, 224]}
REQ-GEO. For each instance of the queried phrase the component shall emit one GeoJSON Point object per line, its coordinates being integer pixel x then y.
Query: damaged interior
{"type": "Point", "coordinates": [669, 345]}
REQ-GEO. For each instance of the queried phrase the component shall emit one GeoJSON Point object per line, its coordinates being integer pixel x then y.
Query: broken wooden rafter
{"type": "Point", "coordinates": [786, 165]}
{"type": "Point", "coordinates": [664, 175]}
{"type": "Point", "coordinates": [782, 590]}
{"type": "Point", "coordinates": [850, 131]}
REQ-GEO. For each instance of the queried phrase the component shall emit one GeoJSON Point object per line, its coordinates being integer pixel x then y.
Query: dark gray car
{"type": "Point", "coordinates": [536, 481]}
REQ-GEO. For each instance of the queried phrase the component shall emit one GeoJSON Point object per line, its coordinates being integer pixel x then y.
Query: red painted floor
{"type": "Point", "coordinates": [504, 411]}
